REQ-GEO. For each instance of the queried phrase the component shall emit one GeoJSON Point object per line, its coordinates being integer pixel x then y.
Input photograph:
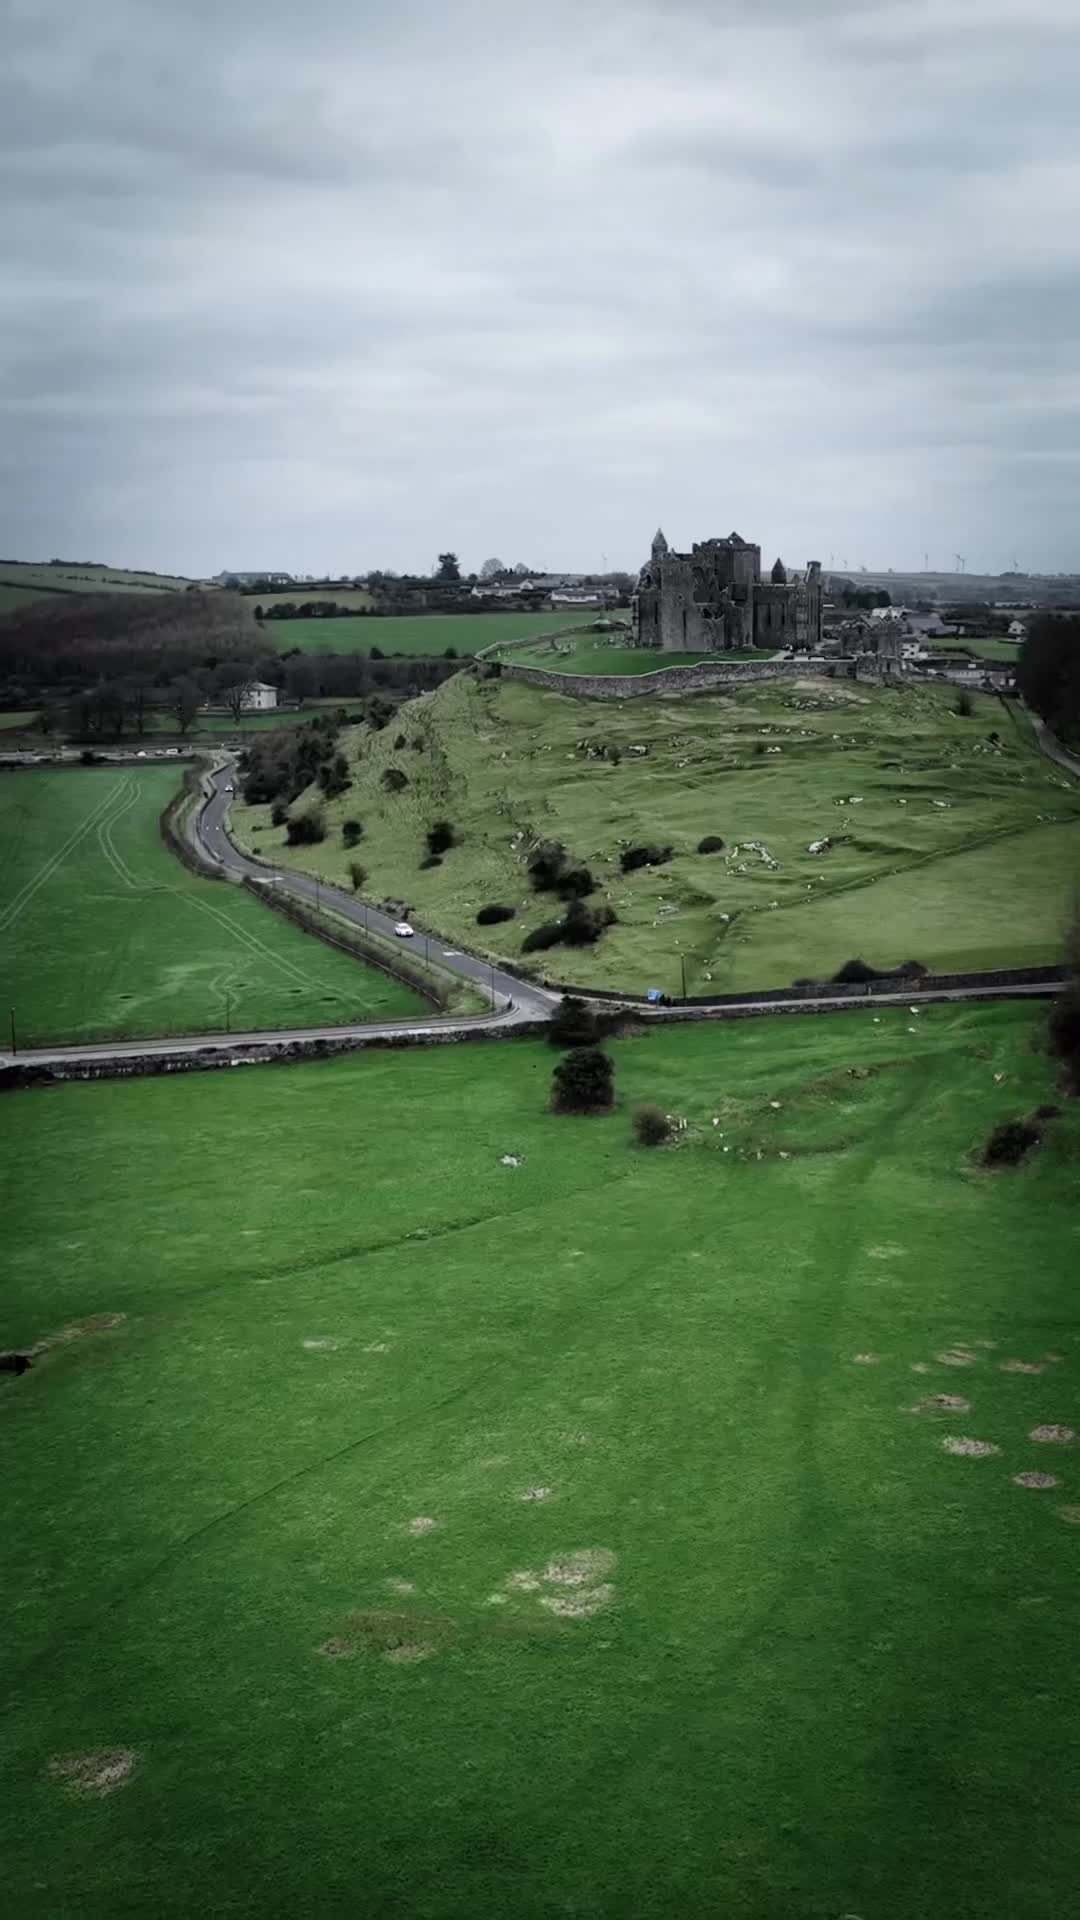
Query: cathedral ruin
{"type": "Point", "coordinates": [714, 600]}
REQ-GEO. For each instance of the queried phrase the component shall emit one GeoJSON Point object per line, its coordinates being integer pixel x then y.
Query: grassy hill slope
{"type": "Point", "coordinates": [400, 1533]}
{"type": "Point", "coordinates": [948, 847]}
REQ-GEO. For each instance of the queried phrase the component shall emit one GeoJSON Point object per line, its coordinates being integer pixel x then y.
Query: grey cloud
{"type": "Point", "coordinates": [345, 284]}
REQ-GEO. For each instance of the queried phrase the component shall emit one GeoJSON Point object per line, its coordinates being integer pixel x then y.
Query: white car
{"type": "Point", "coordinates": [403, 930]}
{"type": "Point", "coordinates": [230, 788]}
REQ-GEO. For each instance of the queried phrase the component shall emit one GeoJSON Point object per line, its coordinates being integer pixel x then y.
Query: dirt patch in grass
{"type": "Point", "coordinates": [969, 1449]}
{"type": "Point", "coordinates": [401, 1586]}
{"type": "Point", "coordinates": [956, 1357]}
{"type": "Point", "coordinates": [336, 1650]}
{"type": "Point", "coordinates": [578, 1569]}
{"type": "Point", "coordinates": [524, 1581]}
{"type": "Point", "coordinates": [96, 1773]}
{"type": "Point", "coordinates": [866, 1359]}
{"type": "Point", "coordinates": [1070, 1515]}
{"type": "Point", "coordinates": [1021, 1366]}
{"type": "Point", "coordinates": [1035, 1479]}
{"type": "Point", "coordinates": [322, 1345]}
{"type": "Point", "coordinates": [409, 1653]}
{"type": "Point", "coordinates": [1052, 1436]}
{"type": "Point", "coordinates": [422, 1524]}
{"type": "Point", "coordinates": [581, 1605]}
{"type": "Point", "coordinates": [888, 1251]}
{"type": "Point", "coordinates": [943, 1403]}
{"type": "Point", "coordinates": [537, 1493]}
{"type": "Point", "coordinates": [78, 1330]}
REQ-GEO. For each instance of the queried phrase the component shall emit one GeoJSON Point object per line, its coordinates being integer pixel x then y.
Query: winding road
{"type": "Point", "coordinates": [514, 1002]}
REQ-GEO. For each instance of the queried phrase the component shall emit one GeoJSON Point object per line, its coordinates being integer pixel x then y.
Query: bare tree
{"type": "Point", "coordinates": [183, 701]}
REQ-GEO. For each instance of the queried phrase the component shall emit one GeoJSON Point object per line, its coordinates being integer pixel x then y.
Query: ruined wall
{"type": "Point", "coordinates": [710, 677]}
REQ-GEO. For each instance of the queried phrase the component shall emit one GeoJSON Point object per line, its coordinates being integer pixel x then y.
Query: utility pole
{"type": "Point", "coordinates": [228, 1012]}
{"type": "Point", "coordinates": [13, 1047]}
{"type": "Point", "coordinates": [682, 963]}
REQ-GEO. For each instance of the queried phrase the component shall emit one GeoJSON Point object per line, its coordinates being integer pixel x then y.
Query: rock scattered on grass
{"type": "Point", "coordinates": [1020, 1366]}
{"type": "Point", "coordinates": [537, 1493]}
{"type": "Point", "coordinates": [969, 1449]}
{"type": "Point", "coordinates": [322, 1345]}
{"type": "Point", "coordinates": [337, 1650]}
{"type": "Point", "coordinates": [943, 1403]}
{"type": "Point", "coordinates": [865, 1359]}
{"type": "Point", "coordinates": [1070, 1515]}
{"type": "Point", "coordinates": [1035, 1479]}
{"type": "Point", "coordinates": [96, 1773]}
{"type": "Point", "coordinates": [1054, 1436]}
{"type": "Point", "coordinates": [955, 1357]}
{"type": "Point", "coordinates": [423, 1524]}
{"type": "Point", "coordinates": [580, 1605]}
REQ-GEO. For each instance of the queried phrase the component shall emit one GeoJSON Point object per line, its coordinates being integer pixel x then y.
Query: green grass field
{"type": "Point", "coordinates": [428, 634]}
{"type": "Point", "coordinates": [946, 848]}
{"type": "Point", "coordinates": [591, 653]}
{"type": "Point", "coordinates": [398, 1532]}
{"type": "Point", "coordinates": [21, 582]}
{"type": "Point", "coordinates": [103, 932]}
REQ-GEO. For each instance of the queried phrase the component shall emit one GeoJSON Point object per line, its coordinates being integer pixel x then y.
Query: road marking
{"type": "Point", "coordinates": [452, 954]}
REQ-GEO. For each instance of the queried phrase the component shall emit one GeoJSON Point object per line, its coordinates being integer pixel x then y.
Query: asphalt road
{"type": "Point", "coordinates": [514, 1001]}
{"type": "Point", "coordinates": [513, 998]}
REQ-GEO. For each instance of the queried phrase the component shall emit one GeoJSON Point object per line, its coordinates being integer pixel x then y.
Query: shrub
{"type": "Point", "coordinates": [911, 969]}
{"type": "Point", "coordinates": [441, 836]}
{"type": "Point", "coordinates": [542, 937]}
{"type": "Point", "coordinates": [431, 860]}
{"type": "Point", "coordinates": [633, 857]}
{"type": "Point", "coordinates": [418, 743]}
{"type": "Point", "coordinates": [394, 780]}
{"type": "Point", "coordinates": [399, 742]}
{"type": "Point", "coordinates": [573, 1024]}
{"type": "Point", "coordinates": [279, 814]}
{"type": "Point", "coordinates": [712, 843]}
{"type": "Point", "coordinates": [351, 833]}
{"type": "Point", "coordinates": [651, 1125]}
{"type": "Point", "coordinates": [759, 749]}
{"type": "Point", "coordinates": [1010, 1141]}
{"type": "Point", "coordinates": [965, 705]}
{"type": "Point", "coordinates": [574, 883]}
{"type": "Point", "coordinates": [357, 875]}
{"type": "Point", "coordinates": [494, 915]}
{"type": "Point", "coordinates": [545, 864]}
{"type": "Point", "coordinates": [306, 829]}
{"type": "Point", "coordinates": [582, 925]}
{"type": "Point", "coordinates": [583, 1082]}
{"type": "Point", "coordinates": [855, 970]}
{"type": "Point", "coordinates": [1064, 1034]}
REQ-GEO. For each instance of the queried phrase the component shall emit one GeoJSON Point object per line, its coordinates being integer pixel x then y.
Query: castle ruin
{"type": "Point", "coordinates": [714, 600]}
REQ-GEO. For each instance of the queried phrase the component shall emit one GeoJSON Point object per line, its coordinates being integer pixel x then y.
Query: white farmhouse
{"type": "Point", "coordinates": [259, 697]}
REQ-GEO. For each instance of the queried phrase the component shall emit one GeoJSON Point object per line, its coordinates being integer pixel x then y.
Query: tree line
{"type": "Point", "coordinates": [1048, 672]}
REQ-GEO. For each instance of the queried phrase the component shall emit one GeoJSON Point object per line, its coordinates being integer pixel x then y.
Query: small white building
{"type": "Point", "coordinates": [259, 697]}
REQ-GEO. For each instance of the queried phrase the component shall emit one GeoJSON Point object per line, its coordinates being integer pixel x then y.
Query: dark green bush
{"type": "Point", "coordinates": [542, 937]}
{"type": "Point", "coordinates": [651, 1125]}
{"type": "Point", "coordinates": [545, 865]}
{"type": "Point", "coordinates": [357, 875]}
{"type": "Point", "coordinates": [441, 837]}
{"type": "Point", "coordinates": [430, 860]}
{"type": "Point", "coordinates": [279, 813]}
{"type": "Point", "coordinates": [351, 833]}
{"type": "Point", "coordinates": [494, 915]}
{"type": "Point", "coordinates": [1010, 1142]}
{"type": "Point", "coordinates": [306, 829]}
{"type": "Point", "coordinates": [855, 970]}
{"type": "Point", "coordinates": [574, 883]}
{"type": "Point", "coordinates": [583, 1082]}
{"type": "Point", "coordinates": [394, 780]}
{"type": "Point", "coordinates": [399, 742]}
{"type": "Point", "coordinates": [633, 857]}
{"type": "Point", "coordinates": [712, 843]}
{"type": "Point", "coordinates": [573, 1024]}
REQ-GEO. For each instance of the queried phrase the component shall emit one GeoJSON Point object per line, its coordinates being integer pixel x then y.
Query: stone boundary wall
{"type": "Point", "coordinates": [1004, 978]}
{"type": "Point", "coordinates": [19, 1077]}
{"type": "Point", "coordinates": [666, 680]}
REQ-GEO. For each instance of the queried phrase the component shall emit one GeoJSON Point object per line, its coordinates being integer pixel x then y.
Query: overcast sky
{"type": "Point", "coordinates": [344, 283]}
